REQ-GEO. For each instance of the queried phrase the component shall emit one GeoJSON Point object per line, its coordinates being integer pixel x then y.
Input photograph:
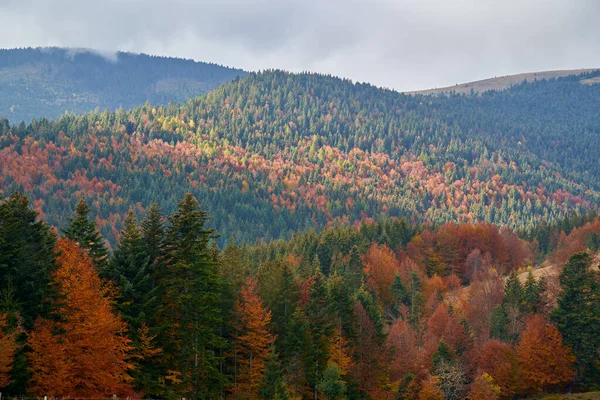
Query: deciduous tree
{"type": "Point", "coordinates": [546, 363]}
{"type": "Point", "coordinates": [84, 351]}
{"type": "Point", "coordinates": [253, 341]}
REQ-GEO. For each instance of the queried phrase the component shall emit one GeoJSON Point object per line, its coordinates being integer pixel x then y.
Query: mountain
{"type": "Point", "coordinates": [47, 82]}
{"type": "Point", "coordinates": [273, 153]}
{"type": "Point", "coordinates": [504, 82]}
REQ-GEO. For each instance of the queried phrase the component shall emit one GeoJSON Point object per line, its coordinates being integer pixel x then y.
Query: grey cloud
{"type": "Point", "coordinates": [393, 43]}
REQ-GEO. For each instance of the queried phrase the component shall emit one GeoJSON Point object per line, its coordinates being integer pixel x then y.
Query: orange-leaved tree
{"type": "Point", "coordinates": [8, 346]}
{"type": "Point", "coordinates": [545, 361]}
{"type": "Point", "coordinates": [83, 352]}
{"type": "Point", "coordinates": [253, 341]}
{"type": "Point", "coordinates": [381, 268]}
{"type": "Point", "coordinates": [500, 361]}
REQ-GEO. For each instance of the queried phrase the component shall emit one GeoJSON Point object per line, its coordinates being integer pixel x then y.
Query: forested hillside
{"type": "Point", "coordinates": [47, 82]}
{"type": "Point", "coordinates": [274, 153]}
{"type": "Point", "coordinates": [382, 311]}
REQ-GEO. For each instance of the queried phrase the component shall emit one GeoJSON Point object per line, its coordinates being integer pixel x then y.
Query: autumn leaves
{"type": "Point", "coordinates": [83, 350]}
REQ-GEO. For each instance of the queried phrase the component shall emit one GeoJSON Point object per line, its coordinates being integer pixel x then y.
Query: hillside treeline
{"type": "Point", "coordinates": [382, 310]}
{"type": "Point", "coordinates": [273, 153]}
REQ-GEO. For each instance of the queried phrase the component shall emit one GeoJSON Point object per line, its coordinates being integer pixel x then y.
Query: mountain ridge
{"type": "Point", "coordinates": [273, 153]}
{"type": "Point", "coordinates": [502, 82]}
{"type": "Point", "coordinates": [47, 82]}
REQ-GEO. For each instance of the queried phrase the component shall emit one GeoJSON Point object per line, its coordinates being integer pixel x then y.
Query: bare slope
{"type": "Point", "coordinates": [504, 82]}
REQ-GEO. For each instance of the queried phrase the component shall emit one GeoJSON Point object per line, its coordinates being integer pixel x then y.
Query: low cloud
{"type": "Point", "coordinates": [404, 45]}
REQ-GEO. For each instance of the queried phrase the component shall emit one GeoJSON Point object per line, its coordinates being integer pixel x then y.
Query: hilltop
{"type": "Point", "coordinates": [505, 82]}
{"type": "Point", "coordinates": [273, 153]}
{"type": "Point", "coordinates": [47, 82]}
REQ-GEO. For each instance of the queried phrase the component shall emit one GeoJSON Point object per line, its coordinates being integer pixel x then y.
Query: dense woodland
{"type": "Point", "coordinates": [297, 236]}
{"type": "Point", "coordinates": [275, 153]}
{"type": "Point", "coordinates": [384, 310]}
{"type": "Point", "coordinates": [47, 82]}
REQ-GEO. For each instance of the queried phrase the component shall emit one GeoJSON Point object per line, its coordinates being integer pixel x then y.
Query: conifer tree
{"type": "Point", "coordinates": [27, 261]}
{"type": "Point", "coordinates": [273, 384]}
{"type": "Point", "coordinates": [285, 304]}
{"type": "Point", "coordinates": [533, 292]}
{"type": "Point", "coordinates": [83, 231]}
{"type": "Point", "coordinates": [320, 316]}
{"type": "Point", "coordinates": [331, 385]}
{"type": "Point", "coordinates": [131, 271]}
{"type": "Point", "coordinates": [153, 234]}
{"type": "Point", "coordinates": [190, 311]}
{"type": "Point", "coordinates": [576, 317]}
{"type": "Point", "coordinates": [296, 351]}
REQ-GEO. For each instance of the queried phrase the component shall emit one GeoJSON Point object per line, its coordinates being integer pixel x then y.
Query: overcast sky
{"type": "Point", "coordinates": [404, 45]}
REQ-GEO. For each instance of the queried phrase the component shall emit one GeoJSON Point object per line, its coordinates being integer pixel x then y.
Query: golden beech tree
{"type": "Point", "coordinates": [8, 346]}
{"type": "Point", "coordinates": [84, 352]}
{"type": "Point", "coordinates": [545, 361]}
{"type": "Point", "coordinates": [484, 388]}
{"type": "Point", "coordinates": [339, 353]}
{"type": "Point", "coordinates": [381, 267]}
{"type": "Point", "coordinates": [430, 389]}
{"type": "Point", "coordinates": [253, 341]}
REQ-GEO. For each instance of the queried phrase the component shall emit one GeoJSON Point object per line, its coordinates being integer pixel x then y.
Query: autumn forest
{"type": "Point", "coordinates": [301, 236]}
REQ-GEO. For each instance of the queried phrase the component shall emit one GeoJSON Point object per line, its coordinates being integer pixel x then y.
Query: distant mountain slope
{"type": "Point", "coordinates": [46, 82]}
{"type": "Point", "coordinates": [274, 153]}
{"type": "Point", "coordinates": [503, 82]}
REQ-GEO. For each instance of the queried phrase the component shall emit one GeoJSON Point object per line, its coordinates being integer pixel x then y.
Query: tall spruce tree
{"type": "Point", "coordinates": [578, 317]}
{"type": "Point", "coordinates": [27, 260]}
{"type": "Point", "coordinates": [190, 311]}
{"type": "Point", "coordinates": [273, 384]}
{"type": "Point", "coordinates": [83, 231]}
{"type": "Point", "coordinates": [153, 233]}
{"type": "Point", "coordinates": [320, 313]}
{"type": "Point", "coordinates": [131, 271]}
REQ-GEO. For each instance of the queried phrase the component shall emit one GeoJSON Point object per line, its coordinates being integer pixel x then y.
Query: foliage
{"type": "Point", "coordinates": [83, 353]}
{"type": "Point", "coordinates": [576, 317]}
{"type": "Point", "coordinates": [296, 318]}
{"type": "Point", "coordinates": [274, 153]}
{"type": "Point", "coordinates": [8, 348]}
{"type": "Point", "coordinates": [253, 341]}
{"type": "Point", "coordinates": [545, 362]}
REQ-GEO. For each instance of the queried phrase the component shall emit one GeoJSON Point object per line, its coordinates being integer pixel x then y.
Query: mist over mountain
{"type": "Point", "coordinates": [47, 82]}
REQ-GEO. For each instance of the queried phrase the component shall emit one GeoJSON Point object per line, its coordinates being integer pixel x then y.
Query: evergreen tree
{"type": "Point", "coordinates": [320, 315]}
{"type": "Point", "coordinates": [442, 355]}
{"type": "Point", "coordinates": [27, 261]}
{"type": "Point", "coordinates": [131, 271]}
{"type": "Point", "coordinates": [331, 384]}
{"type": "Point", "coordinates": [190, 311]}
{"type": "Point", "coordinates": [273, 383]}
{"type": "Point", "coordinates": [83, 231]}
{"type": "Point", "coordinates": [283, 309]}
{"type": "Point", "coordinates": [153, 233]}
{"type": "Point", "coordinates": [577, 317]}
{"type": "Point", "coordinates": [533, 292]}
{"type": "Point", "coordinates": [399, 294]}
{"type": "Point", "coordinates": [296, 352]}
{"type": "Point", "coordinates": [507, 319]}
{"type": "Point", "coordinates": [343, 300]}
